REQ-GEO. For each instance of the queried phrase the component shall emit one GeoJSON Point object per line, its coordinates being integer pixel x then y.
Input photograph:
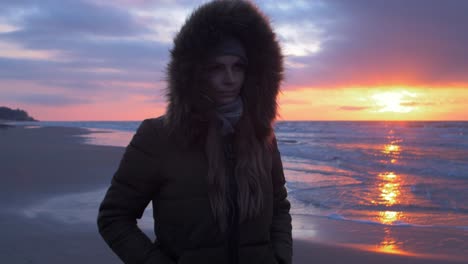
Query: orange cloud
{"type": "Point", "coordinates": [379, 103]}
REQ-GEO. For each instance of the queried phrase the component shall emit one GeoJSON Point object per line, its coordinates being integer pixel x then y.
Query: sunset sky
{"type": "Point", "coordinates": [345, 60]}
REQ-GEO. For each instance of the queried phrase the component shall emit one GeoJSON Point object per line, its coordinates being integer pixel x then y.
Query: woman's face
{"type": "Point", "coordinates": [225, 75]}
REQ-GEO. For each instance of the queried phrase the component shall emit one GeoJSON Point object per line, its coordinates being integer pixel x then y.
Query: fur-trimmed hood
{"type": "Point", "coordinates": [201, 31]}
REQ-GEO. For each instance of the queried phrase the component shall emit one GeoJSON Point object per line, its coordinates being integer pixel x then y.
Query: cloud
{"type": "Point", "coordinates": [389, 42]}
{"type": "Point", "coordinates": [90, 48]}
{"type": "Point", "coordinates": [77, 45]}
{"type": "Point", "coordinates": [353, 108]}
{"type": "Point", "coordinates": [74, 75]}
{"type": "Point", "coordinates": [91, 45]}
{"type": "Point", "coordinates": [49, 99]}
{"type": "Point", "coordinates": [58, 18]}
{"type": "Point", "coordinates": [414, 104]}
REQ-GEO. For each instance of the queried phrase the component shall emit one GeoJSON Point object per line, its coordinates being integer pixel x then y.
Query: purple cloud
{"type": "Point", "coordinates": [361, 42]}
{"type": "Point", "coordinates": [41, 99]}
{"type": "Point", "coordinates": [384, 42]}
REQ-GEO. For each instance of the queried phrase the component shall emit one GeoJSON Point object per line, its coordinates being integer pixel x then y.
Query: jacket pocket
{"type": "Point", "coordinates": [257, 254]}
{"type": "Point", "coordinates": [252, 254]}
{"type": "Point", "coordinates": [215, 255]}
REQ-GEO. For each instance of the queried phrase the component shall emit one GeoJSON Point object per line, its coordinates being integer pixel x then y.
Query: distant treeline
{"type": "Point", "coordinates": [14, 115]}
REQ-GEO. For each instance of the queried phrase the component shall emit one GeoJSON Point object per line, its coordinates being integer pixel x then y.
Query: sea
{"type": "Point", "coordinates": [391, 173]}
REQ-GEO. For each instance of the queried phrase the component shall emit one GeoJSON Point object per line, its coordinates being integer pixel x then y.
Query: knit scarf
{"type": "Point", "coordinates": [229, 114]}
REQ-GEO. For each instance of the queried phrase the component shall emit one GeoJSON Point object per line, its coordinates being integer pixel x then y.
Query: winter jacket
{"type": "Point", "coordinates": [155, 169]}
{"type": "Point", "coordinates": [165, 162]}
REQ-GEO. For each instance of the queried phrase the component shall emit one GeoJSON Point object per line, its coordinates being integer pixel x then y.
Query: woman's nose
{"type": "Point", "coordinates": [228, 76]}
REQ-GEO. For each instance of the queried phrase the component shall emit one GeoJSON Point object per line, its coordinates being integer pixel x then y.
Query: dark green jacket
{"type": "Point", "coordinates": [155, 169]}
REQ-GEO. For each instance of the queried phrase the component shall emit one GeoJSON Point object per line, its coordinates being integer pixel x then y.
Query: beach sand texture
{"type": "Point", "coordinates": [37, 164]}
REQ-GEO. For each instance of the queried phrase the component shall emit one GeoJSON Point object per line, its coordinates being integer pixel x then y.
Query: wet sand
{"type": "Point", "coordinates": [41, 163]}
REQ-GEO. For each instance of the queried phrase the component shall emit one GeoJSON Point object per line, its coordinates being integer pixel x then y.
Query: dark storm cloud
{"type": "Point", "coordinates": [383, 42]}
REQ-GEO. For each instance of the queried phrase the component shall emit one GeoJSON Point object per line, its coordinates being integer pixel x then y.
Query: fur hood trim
{"type": "Point", "coordinates": [201, 31]}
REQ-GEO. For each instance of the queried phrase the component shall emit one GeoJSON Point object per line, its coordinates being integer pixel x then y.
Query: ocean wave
{"type": "Point", "coordinates": [395, 223]}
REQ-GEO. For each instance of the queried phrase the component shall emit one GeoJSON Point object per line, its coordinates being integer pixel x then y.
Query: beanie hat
{"type": "Point", "coordinates": [229, 45]}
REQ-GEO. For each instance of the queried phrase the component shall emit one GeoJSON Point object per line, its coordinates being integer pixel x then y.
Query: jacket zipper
{"type": "Point", "coordinates": [233, 228]}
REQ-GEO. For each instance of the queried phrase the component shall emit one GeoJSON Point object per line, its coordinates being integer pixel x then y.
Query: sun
{"type": "Point", "coordinates": [394, 101]}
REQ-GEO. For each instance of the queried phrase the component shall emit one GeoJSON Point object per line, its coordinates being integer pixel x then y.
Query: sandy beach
{"type": "Point", "coordinates": [37, 164]}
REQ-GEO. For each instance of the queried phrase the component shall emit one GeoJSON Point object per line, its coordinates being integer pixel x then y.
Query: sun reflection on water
{"type": "Point", "coordinates": [389, 244]}
{"type": "Point", "coordinates": [388, 217]}
{"type": "Point", "coordinates": [389, 191]}
{"type": "Point", "coordinates": [391, 149]}
{"type": "Point", "coordinates": [389, 187]}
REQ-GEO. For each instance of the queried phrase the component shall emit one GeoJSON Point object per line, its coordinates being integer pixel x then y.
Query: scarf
{"type": "Point", "coordinates": [229, 114]}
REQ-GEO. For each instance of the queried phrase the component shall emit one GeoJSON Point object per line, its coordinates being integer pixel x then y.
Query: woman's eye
{"type": "Point", "coordinates": [215, 67]}
{"type": "Point", "coordinates": [239, 67]}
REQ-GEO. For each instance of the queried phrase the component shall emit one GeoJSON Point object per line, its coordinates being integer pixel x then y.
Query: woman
{"type": "Point", "coordinates": [210, 165]}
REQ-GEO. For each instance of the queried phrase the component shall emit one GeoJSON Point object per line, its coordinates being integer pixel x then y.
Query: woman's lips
{"type": "Point", "coordinates": [228, 94]}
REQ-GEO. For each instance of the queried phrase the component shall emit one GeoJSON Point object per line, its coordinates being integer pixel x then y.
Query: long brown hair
{"type": "Point", "coordinates": [185, 113]}
{"type": "Point", "coordinates": [250, 173]}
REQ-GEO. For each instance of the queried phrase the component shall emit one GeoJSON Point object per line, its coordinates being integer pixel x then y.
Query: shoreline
{"type": "Point", "coordinates": [47, 162]}
{"type": "Point", "coordinates": [406, 242]}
